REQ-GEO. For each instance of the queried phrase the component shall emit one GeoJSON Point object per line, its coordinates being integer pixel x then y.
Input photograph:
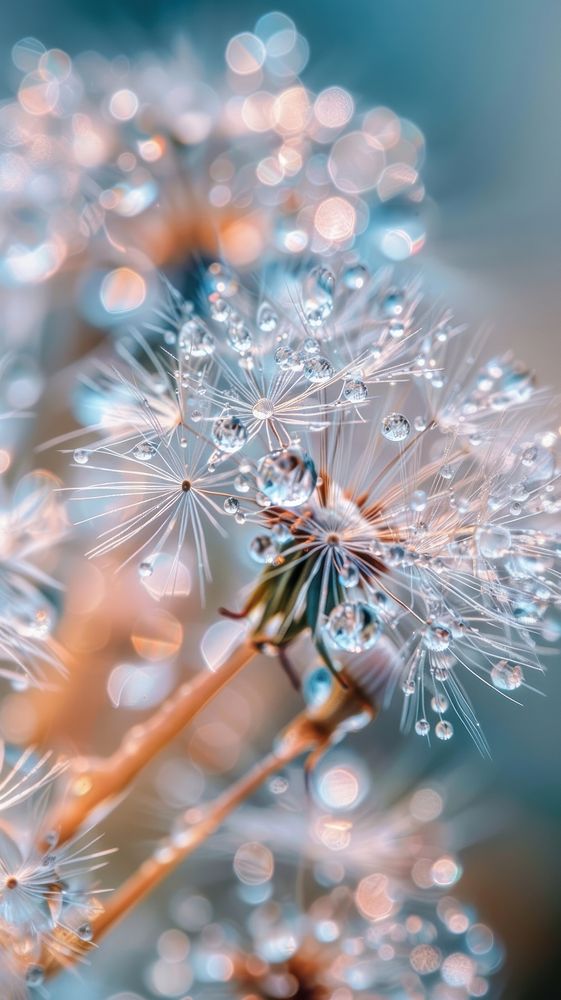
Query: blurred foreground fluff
{"type": "Point", "coordinates": [394, 484]}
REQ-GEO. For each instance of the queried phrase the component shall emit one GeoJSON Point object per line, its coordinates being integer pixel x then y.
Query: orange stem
{"type": "Point", "coordinates": [98, 779]}
{"type": "Point", "coordinates": [300, 737]}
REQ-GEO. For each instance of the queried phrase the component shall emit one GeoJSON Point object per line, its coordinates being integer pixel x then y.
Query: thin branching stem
{"type": "Point", "coordinates": [303, 736]}
{"type": "Point", "coordinates": [98, 780]}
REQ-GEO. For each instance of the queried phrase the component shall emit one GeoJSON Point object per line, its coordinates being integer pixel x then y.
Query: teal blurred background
{"type": "Point", "coordinates": [482, 79]}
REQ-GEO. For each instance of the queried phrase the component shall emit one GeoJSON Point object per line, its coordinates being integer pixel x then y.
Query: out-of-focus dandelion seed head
{"type": "Point", "coordinates": [30, 521]}
{"type": "Point", "coordinates": [46, 892]}
{"type": "Point", "coordinates": [101, 154]}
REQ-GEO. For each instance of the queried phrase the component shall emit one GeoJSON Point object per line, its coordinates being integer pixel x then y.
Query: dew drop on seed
{"type": "Point", "coordinates": [195, 339]}
{"type": "Point", "coordinates": [355, 277]}
{"type": "Point", "coordinates": [311, 346]}
{"type": "Point", "coordinates": [506, 676]}
{"type": "Point", "coordinates": [437, 637]}
{"type": "Point", "coordinates": [439, 703]}
{"type": "Point", "coordinates": [444, 730]}
{"type": "Point", "coordinates": [396, 329]}
{"type": "Point", "coordinates": [393, 304]}
{"type": "Point", "coordinates": [493, 541]}
{"type": "Point", "coordinates": [34, 975]}
{"type": "Point", "coordinates": [318, 369]}
{"type": "Point", "coordinates": [263, 549]}
{"type": "Point", "coordinates": [349, 575]}
{"type": "Point", "coordinates": [267, 319]}
{"type": "Point", "coordinates": [219, 309]}
{"type": "Point", "coordinates": [317, 686]}
{"type": "Point", "coordinates": [240, 338]}
{"type": "Point", "coordinates": [287, 476]}
{"type": "Point", "coordinates": [318, 290]}
{"type": "Point", "coordinates": [418, 500]}
{"type": "Point", "coordinates": [242, 484]}
{"type": "Point", "coordinates": [354, 627]}
{"type": "Point", "coordinates": [229, 434]}
{"type": "Point", "coordinates": [144, 451]}
{"type": "Point", "coordinates": [354, 390]}
{"type": "Point", "coordinates": [395, 427]}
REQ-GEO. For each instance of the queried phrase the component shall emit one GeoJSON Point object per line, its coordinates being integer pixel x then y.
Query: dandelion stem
{"type": "Point", "coordinates": [300, 737]}
{"type": "Point", "coordinates": [309, 733]}
{"type": "Point", "coordinates": [97, 780]}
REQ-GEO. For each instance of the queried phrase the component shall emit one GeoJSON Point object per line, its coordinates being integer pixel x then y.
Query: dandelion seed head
{"type": "Point", "coordinates": [44, 890]}
{"type": "Point", "coordinates": [443, 536]}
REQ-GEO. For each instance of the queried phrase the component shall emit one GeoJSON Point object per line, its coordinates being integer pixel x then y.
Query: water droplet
{"type": "Point", "coordinates": [195, 339]}
{"type": "Point", "coordinates": [145, 569]}
{"type": "Point", "coordinates": [37, 625]}
{"type": "Point", "coordinates": [240, 338]}
{"type": "Point", "coordinates": [263, 549]}
{"type": "Point", "coordinates": [263, 409]}
{"type": "Point", "coordinates": [267, 319]}
{"type": "Point", "coordinates": [219, 309]}
{"type": "Point", "coordinates": [354, 390]}
{"type": "Point", "coordinates": [396, 427]}
{"type": "Point", "coordinates": [519, 492]}
{"type": "Point", "coordinates": [396, 329]}
{"type": "Point", "coordinates": [354, 627]}
{"type": "Point", "coordinates": [317, 686]}
{"type": "Point", "coordinates": [420, 424]}
{"type": "Point", "coordinates": [229, 434]}
{"type": "Point", "coordinates": [144, 451]}
{"type": "Point", "coordinates": [221, 279]}
{"type": "Point", "coordinates": [81, 456]}
{"type": "Point", "coordinates": [506, 677]}
{"type": "Point", "coordinates": [349, 574]}
{"type": "Point", "coordinates": [493, 541]}
{"type": "Point", "coordinates": [34, 975]}
{"type": "Point", "coordinates": [242, 484]}
{"type": "Point", "coordinates": [439, 703]}
{"type": "Point", "coordinates": [447, 472]}
{"type": "Point", "coordinates": [318, 369]}
{"type": "Point", "coordinates": [512, 383]}
{"type": "Point", "coordinates": [281, 533]}
{"type": "Point", "coordinates": [540, 463]}
{"type": "Point", "coordinates": [85, 932]}
{"type": "Point", "coordinates": [231, 505]}
{"type": "Point", "coordinates": [525, 611]}
{"type": "Point", "coordinates": [287, 359]}
{"type": "Point", "coordinates": [393, 303]}
{"type": "Point", "coordinates": [418, 500]}
{"type": "Point", "coordinates": [355, 277]}
{"type": "Point", "coordinates": [311, 346]}
{"type": "Point", "coordinates": [437, 637]}
{"type": "Point", "coordinates": [254, 864]}
{"type": "Point", "coordinates": [444, 730]}
{"type": "Point", "coordinates": [319, 287]}
{"type": "Point", "coordinates": [422, 727]}
{"type": "Point", "coordinates": [278, 785]}
{"type": "Point", "coordinates": [287, 476]}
